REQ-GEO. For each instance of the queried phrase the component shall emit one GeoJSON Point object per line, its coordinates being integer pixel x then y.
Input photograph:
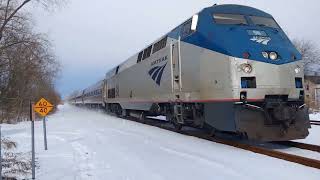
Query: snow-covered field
{"type": "Point", "coordinates": [88, 145]}
{"type": "Point", "coordinates": [315, 116]}
{"type": "Point", "coordinates": [314, 136]}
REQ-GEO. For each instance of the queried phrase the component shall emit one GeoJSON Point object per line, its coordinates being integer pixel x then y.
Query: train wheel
{"type": "Point", "coordinates": [125, 113]}
{"type": "Point", "coordinates": [243, 135]}
{"type": "Point", "coordinates": [213, 132]}
{"type": "Point", "coordinates": [118, 110]}
{"type": "Point", "coordinates": [176, 125]}
{"type": "Point", "coordinates": [142, 117]}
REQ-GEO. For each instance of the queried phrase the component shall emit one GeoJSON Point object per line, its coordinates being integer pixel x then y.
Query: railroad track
{"type": "Point", "coordinates": [299, 145]}
{"type": "Point", "coordinates": [260, 150]}
{"type": "Point", "coordinates": [269, 152]}
{"type": "Point", "coordinates": [317, 123]}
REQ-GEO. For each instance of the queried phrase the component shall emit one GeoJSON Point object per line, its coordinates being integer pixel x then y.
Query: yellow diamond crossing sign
{"type": "Point", "coordinates": [43, 107]}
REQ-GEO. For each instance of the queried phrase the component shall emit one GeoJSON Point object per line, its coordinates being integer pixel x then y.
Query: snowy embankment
{"type": "Point", "coordinates": [314, 137]}
{"type": "Point", "coordinates": [87, 144]}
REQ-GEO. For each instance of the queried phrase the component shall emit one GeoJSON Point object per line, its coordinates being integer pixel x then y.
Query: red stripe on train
{"type": "Point", "coordinates": [194, 101]}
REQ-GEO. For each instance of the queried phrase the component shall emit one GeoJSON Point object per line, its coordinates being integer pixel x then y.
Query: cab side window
{"type": "Point", "coordinates": [186, 29]}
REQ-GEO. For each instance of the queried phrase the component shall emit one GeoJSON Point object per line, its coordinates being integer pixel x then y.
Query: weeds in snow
{"type": "Point", "coordinates": [8, 144]}
{"type": "Point", "coordinates": [14, 164]}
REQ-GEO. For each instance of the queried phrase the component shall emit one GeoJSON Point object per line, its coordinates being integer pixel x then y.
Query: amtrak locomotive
{"type": "Point", "coordinates": [228, 68]}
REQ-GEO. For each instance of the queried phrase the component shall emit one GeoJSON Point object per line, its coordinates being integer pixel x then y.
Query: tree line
{"type": "Point", "coordinates": [310, 54]}
{"type": "Point", "coordinates": [28, 66]}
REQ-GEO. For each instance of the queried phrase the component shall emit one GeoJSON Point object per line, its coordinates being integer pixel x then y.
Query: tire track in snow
{"type": "Point", "coordinates": [221, 166]}
{"type": "Point", "coordinates": [153, 142]}
{"type": "Point", "coordinates": [125, 157]}
{"type": "Point", "coordinates": [82, 160]}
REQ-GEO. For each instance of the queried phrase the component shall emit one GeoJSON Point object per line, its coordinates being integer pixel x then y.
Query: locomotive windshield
{"type": "Point", "coordinates": [264, 21]}
{"type": "Point", "coordinates": [230, 19]}
{"type": "Point", "coordinates": [238, 19]}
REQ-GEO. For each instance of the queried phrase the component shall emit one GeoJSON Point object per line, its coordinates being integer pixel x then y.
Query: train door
{"type": "Point", "coordinates": [176, 67]}
{"type": "Point", "coordinates": [188, 28]}
{"type": "Point", "coordinates": [177, 84]}
{"type": "Point", "coordinates": [82, 97]}
{"type": "Point", "coordinates": [104, 91]}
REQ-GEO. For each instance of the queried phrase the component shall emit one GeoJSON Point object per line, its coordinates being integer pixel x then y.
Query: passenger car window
{"type": "Point", "coordinates": [236, 19]}
{"type": "Point", "coordinates": [264, 21]}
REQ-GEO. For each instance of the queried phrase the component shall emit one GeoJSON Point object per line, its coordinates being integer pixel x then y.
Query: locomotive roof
{"type": "Point", "coordinates": [225, 8]}
{"type": "Point", "coordinates": [237, 9]}
{"type": "Point", "coordinates": [97, 85]}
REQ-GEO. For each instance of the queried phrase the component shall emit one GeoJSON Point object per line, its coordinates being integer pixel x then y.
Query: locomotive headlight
{"type": "Point", "coordinates": [297, 69]}
{"type": "Point", "coordinates": [247, 68]}
{"type": "Point", "coordinates": [265, 55]}
{"type": "Point", "coordinates": [273, 55]}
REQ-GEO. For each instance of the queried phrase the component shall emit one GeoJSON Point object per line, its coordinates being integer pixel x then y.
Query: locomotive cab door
{"type": "Point", "coordinates": [177, 84]}
{"type": "Point", "coordinates": [187, 29]}
{"type": "Point", "coordinates": [176, 67]}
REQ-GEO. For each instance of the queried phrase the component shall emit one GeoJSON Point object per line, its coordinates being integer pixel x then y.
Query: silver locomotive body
{"type": "Point", "coordinates": [242, 78]}
{"type": "Point", "coordinates": [208, 92]}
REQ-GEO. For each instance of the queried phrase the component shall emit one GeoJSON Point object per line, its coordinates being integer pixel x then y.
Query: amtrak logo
{"type": "Point", "coordinates": [156, 73]}
{"type": "Point", "coordinates": [261, 39]}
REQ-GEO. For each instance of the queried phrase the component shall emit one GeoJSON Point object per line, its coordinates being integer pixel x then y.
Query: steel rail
{"type": "Point", "coordinates": [317, 123]}
{"type": "Point", "coordinates": [269, 152]}
{"type": "Point", "coordinates": [300, 145]}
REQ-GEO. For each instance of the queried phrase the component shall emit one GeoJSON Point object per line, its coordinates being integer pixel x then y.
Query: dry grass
{"type": "Point", "coordinates": [8, 144]}
{"type": "Point", "coordinates": [14, 164]}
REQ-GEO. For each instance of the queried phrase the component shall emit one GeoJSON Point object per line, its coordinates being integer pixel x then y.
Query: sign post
{"type": "Point", "coordinates": [32, 118]}
{"type": "Point", "coordinates": [0, 155]}
{"type": "Point", "coordinates": [45, 133]}
{"type": "Point", "coordinates": [43, 107]}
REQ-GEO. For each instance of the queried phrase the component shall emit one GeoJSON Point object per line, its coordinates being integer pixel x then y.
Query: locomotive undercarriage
{"type": "Point", "coordinates": [184, 114]}
{"type": "Point", "coordinates": [275, 119]}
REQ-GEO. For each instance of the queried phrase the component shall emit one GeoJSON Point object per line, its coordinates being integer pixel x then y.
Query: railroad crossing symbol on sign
{"type": "Point", "coordinates": [43, 107]}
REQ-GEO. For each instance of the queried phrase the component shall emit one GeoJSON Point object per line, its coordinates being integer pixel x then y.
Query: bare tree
{"type": "Point", "coordinates": [10, 8]}
{"type": "Point", "coordinates": [30, 73]}
{"type": "Point", "coordinates": [310, 52]}
{"type": "Point", "coordinates": [28, 66]}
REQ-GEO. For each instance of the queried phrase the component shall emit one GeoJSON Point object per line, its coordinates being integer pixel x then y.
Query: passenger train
{"type": "Point", "coordinates": [228, 68]}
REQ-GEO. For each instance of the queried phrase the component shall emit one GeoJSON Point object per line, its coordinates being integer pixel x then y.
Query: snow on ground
{"type": "Point", "coordinates": [314, 137]}
{"type": "Point", "coordinates": [315, 116]}
{"type": "Point", "coordinates": [89, 145]}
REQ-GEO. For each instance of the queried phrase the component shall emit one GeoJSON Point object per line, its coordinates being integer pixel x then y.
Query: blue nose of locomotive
{"type": "Point", "coordinates": [243, 32]}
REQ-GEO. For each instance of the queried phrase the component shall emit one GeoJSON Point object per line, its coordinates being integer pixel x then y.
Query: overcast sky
{"type": "Point", "coordinates": [92, 36]}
